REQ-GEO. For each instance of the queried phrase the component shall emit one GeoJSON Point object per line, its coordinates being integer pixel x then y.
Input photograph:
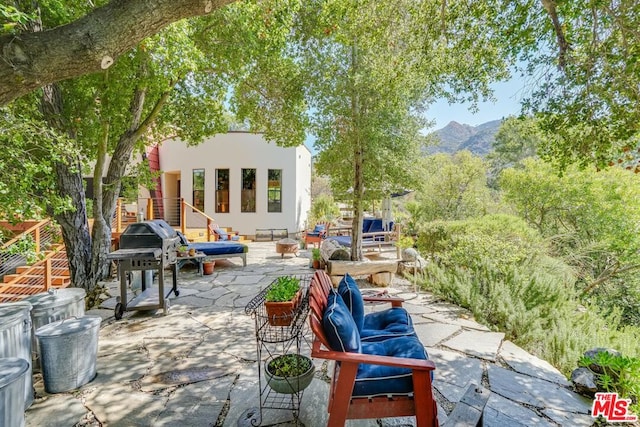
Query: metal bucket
{"type": "Point", "coordinates": [15, 339]}
{"type": "Point", "coordinates": [68, 352]}
{"type": "Point", "coordinates": [12, 379]}
{"type": "Point", "coordinates": [48, 307]}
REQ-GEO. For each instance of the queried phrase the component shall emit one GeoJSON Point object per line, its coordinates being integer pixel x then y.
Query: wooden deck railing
{"type": "Point", "coordinates": [173, 210]}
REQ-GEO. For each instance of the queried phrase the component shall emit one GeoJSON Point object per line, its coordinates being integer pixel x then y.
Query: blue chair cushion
{"type": "Point", "coordinates": [338, 325]}
{"type": "Point", "coordinates": [391, 323]}
{"type": "Point", "coordinates": [350, 293]}
{"type": "Point", "coordinates": [373, 380]}
{"type": "Point", "coordinates": [221, 234]}
{"type": "Point", "coordinates": [319, 228]}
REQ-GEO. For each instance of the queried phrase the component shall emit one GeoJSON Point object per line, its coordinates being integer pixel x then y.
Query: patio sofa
{"type": "Point", "coordinates": [218, 249]}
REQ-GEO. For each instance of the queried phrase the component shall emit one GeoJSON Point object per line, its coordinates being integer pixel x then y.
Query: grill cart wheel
{"type": "Point", "coordinates": [118, 311]}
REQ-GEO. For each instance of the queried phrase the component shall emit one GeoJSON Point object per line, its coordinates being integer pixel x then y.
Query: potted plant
{"type": "Point", "coordinates": [183, 250]}
{"type": "Point", "coordinates": [289, 373]}
{"type": "Point", "coordinates": [281, 300]}
{"type": "Point", "coordinates": [315, 257]}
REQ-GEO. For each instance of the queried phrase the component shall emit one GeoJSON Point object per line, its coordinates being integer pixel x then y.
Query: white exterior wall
{"type": "Point", "coordinates": [236, 151]}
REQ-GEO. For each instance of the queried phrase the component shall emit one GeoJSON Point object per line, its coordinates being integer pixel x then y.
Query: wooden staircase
{"type": "Point", "coordinates": [50, 271]}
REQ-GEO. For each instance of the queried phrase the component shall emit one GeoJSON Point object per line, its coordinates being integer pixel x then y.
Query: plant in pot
{"type": "Point", "coordinates": [282, 299]}
{"type": "Point", "coordinates": [289, 373]}
{"type": "Point", "coordinates": [315, 258]}
{"type": "Point", "coordinates": [183, 250]}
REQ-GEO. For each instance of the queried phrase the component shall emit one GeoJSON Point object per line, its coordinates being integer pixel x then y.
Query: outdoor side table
{"type": "Point", "coordinates": [197, 259]}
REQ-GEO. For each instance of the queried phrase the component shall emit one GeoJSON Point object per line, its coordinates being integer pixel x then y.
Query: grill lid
{"type": "Point", "coordinates": [156, 227]}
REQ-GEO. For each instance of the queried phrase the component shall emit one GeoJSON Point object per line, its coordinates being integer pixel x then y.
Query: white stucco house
{"type": "Point", "coordinates": [240, 180]}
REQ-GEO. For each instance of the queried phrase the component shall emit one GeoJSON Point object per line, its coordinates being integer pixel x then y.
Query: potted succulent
{"type": "Point", "coordinates": [289, 373]}
{"type": "Point", "coordinates": [282, 299]}
{"type": "Point", "coordinates": [315, 257]}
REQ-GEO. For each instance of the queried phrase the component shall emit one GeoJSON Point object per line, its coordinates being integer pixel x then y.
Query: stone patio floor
{"type": "Point", "coordinates": [197, 365]}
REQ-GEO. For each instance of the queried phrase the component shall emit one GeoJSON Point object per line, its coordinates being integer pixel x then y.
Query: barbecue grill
{"type": "Point", "coordinates": [147, 245]}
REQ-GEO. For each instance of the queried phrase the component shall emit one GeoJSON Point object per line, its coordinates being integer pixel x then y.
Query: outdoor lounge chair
{"type": "Point", "coordinates": [387, 375]}
{"type": "Point", "coordinates": [317, 235]}
{"type": "Point", "coordinates": [218, 249]}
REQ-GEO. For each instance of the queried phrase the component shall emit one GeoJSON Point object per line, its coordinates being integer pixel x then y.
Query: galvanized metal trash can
{"type": "Point", "coordinates": [12, 378]}
{"type": "Point", "coordinates": [68, 352]}
{"type": "Point", "coordinates": [15, 339]}
{"type": "Point", "coordinates": [48, 307]}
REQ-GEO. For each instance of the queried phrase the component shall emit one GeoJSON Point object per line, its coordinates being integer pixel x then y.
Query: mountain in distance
{"type": "Point", "coordinates": [456, 137]}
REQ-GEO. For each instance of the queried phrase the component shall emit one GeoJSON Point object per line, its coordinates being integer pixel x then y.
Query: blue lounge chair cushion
{"type": "Point", "coordinates": [340, 329]}
{"type": "Point", "coordinates": [214, 248]}
{"type": "Point", "coordinates": [373, 380]}
{"type": "Point", "coordinates": [350, 293]}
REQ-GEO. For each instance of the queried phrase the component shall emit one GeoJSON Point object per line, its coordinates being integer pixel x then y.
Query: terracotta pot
{"type": "Point", "coordinates": [282, 313]}
{"type": "Point", "coordinates": [207, 267]}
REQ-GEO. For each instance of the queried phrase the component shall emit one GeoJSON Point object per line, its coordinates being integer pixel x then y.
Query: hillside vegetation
{"type": "Point", "coordinates": [550, 260]}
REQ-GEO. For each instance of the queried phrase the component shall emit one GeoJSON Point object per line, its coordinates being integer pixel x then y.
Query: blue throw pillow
{"type": "Point", "coordinates": [319, 228]}
{"type": "Point", "coordinates": [338, 325]}
{"type": "Point", "coordinates": [350, 293]}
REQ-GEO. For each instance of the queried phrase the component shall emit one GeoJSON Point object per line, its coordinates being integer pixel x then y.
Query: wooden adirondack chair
{"type": "Point", "coordinates": [342, 404]}
{"type": "Point", "coordinates": [317, 235]}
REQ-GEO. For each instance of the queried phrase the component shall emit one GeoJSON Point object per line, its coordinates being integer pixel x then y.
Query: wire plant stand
{"type": "Point", "coordinates": [272, 341]}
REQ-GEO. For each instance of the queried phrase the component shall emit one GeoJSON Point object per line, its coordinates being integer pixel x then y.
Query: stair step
{"type": "Point", "coordinates": [56, 271]}
{"type": "Point", "coordinates": [29, 280]}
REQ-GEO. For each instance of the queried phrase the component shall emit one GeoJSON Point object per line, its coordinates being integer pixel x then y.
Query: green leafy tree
{"type": "Point", "coordinates": [453, 187]}
{"type": "Point", "coordinates": [583, 57]}
{"type": "Point", "coordinates": [591, 216]}
{"type": "Point", "coordinates": [517, 138]}
{"type": "Point", "coordinates": [372, 68]}
{"type": "Point", "coordinates": [174, 84]}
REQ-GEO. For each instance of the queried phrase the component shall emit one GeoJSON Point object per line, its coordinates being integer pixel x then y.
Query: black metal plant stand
{"type": "Point", "coordinates": [276, 340]}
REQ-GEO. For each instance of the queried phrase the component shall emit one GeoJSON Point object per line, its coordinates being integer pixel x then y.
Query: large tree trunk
{"type": "Point", "coordinates": [92, 43]}
{"type": "Point", "coordinates": [358, 159]}
{"type": "Point", "coordinates": [75, 227]}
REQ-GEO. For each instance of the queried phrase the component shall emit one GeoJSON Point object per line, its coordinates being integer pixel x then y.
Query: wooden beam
{"type": "Point", "coordinates": [359, 268]}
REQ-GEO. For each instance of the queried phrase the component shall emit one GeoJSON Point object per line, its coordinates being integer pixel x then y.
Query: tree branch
{"type": "Point", "coordinates": [563, 46]}
{"type": "Point", "coordinates": [31, 60]}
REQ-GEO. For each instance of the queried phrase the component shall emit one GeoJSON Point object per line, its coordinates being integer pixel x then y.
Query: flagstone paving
{"type": "Point", "coordinates": [197, 365]}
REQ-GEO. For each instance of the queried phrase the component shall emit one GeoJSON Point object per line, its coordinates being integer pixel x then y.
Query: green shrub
{"type": "Point", "coordinates": [501, 240]}
{"type": "Point", "coordinates": [535, 308]}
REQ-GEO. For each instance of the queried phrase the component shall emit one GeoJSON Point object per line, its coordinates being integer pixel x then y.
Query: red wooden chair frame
{"type": "Point", "coordinates": [342, 405]}
{"type": "Point", "coordinates": [316, 239]}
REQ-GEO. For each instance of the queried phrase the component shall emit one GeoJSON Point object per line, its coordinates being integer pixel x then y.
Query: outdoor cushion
{"type": "Point", "coordinates": [214, 248]}
{"type": "Point", "coordinates": [350, 293]}
{"type": "Point", "coordinates": [340, 329]}
{"type": "Point", "coordinates": [372, 380]}
{"type": "Point", "coordinates": [319, 228]}
{"type": "Point", "coordinates": [222, 235]}
{"type": "Point", "coordinates": [390, 323]}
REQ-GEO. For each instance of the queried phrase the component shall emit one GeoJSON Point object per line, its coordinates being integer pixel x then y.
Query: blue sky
{"type": "Point", "coordinates": [508, 96]}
